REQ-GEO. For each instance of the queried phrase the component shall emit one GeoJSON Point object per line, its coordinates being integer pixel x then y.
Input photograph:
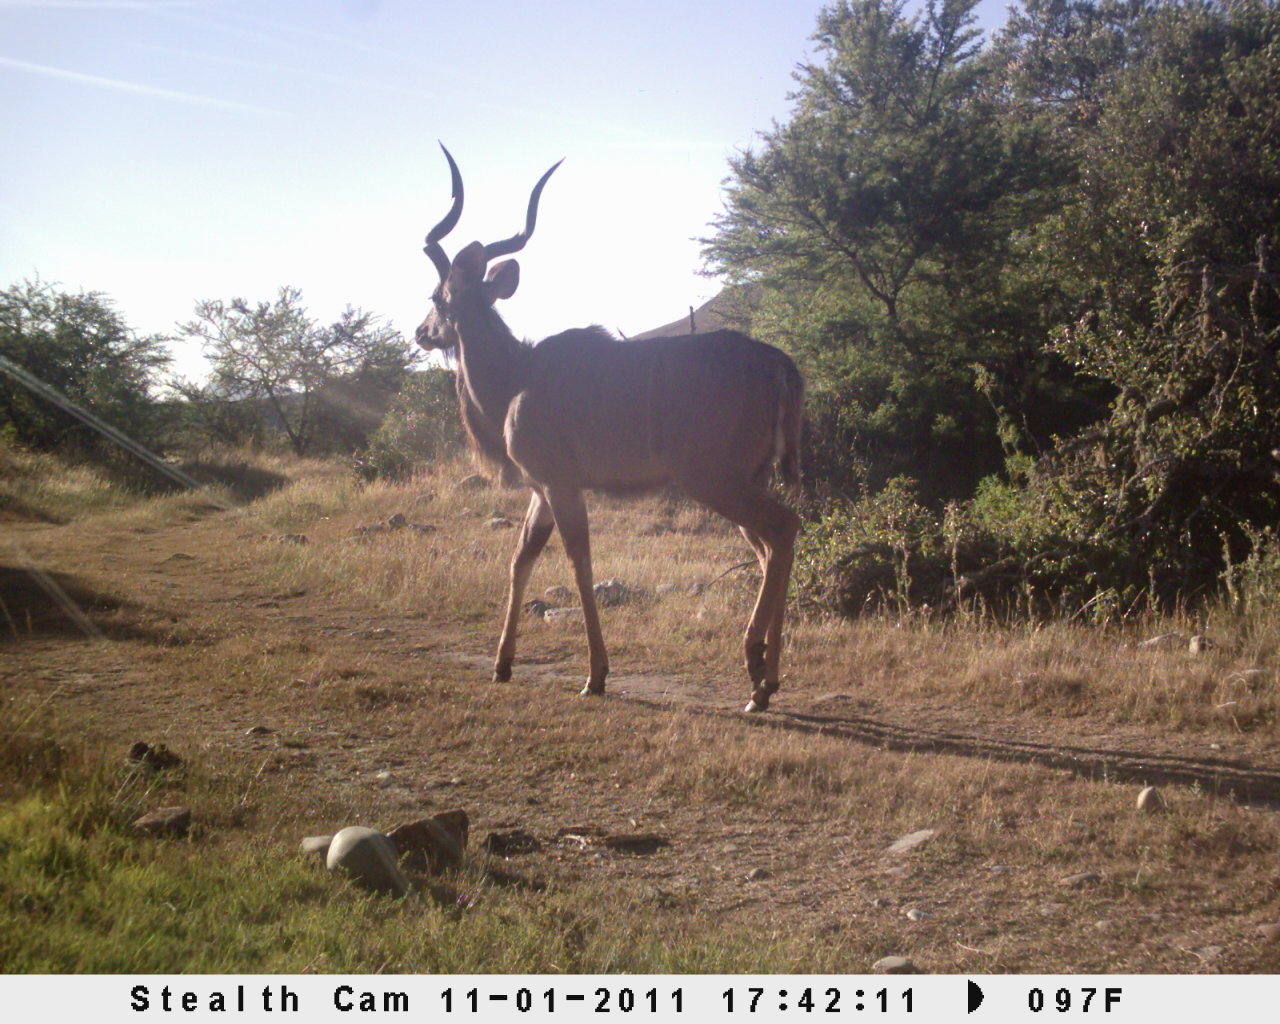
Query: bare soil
{"type": "Point", "coordinates": [191, 645]}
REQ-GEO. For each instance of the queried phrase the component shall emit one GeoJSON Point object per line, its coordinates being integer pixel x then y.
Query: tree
{"type": "Point", "coordinates": [1161, 234]}
{"type": "Point", "coordinates": [321, 386]}
{"type": "Point", "coordinates": [884, 221]}
{"type": "Point", "coordinates": [1183, 196]}
{"type": "Point", "coordinates": [80, 346]}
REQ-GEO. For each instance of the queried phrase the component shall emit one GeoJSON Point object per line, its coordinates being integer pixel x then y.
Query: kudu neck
{"type": "Point", "coordinates": [490, 357]}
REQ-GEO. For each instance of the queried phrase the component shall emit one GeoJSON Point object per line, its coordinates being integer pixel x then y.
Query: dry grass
{"type": "Point", "coordinates": [35, 486]}
{"type": "Point", "coordinates": [367, 656]}
{"type": "Point", "coordinates": [699, 596]}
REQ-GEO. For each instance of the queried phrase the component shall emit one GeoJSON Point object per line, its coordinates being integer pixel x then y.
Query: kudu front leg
{"type": "Point", "coordinates": [538, 524]}
{"type": "Point", "coordinates": [571, 520]}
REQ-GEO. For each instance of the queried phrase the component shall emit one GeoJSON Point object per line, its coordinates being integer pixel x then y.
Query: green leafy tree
{"type": "Point", "coordinates": [80, 346]}
{"type": "Point", "coordinates": [885, 221]}
{"type": "Point", "coordinates": [1185, 179]}
{"type": "Point", "coordinates": [324, 387]}
{"type": "Point", "coordinates": [1162, 238]}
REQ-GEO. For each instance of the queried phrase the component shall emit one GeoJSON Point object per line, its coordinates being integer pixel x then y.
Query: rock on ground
{"type": "Point", "coordinates": [1151, 800]}
{"type": "Point", "coordinates": [369, 859]}
{"type": "Point", "coordinates": [432, 844]}
{"type": "Point", "coordinates": [912, 840]}
{"type": "Point", "coordinates": [165, 821]}
{"type": "Point", "coordinates": [315, 846]}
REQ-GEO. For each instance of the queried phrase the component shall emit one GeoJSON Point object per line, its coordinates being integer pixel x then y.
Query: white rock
{"type": "Point", "coordinates": [368, 858]}
{"type": "Point", "coordinates": [912, 840]}
{"type": "Point", "coordinates": [316, 846]}
{"type": "Point", "coordinates": [1163, 640]}
{"type": "Point", "coordinates": [1151, 800]}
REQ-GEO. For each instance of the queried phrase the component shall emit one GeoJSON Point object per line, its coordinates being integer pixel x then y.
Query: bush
{"type": "Point", "coordinates": [421, 427]}
{"type": "Point", "coordinates": [1012, 550]}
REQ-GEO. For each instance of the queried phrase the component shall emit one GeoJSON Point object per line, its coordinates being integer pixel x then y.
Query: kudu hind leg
{"type": "Point", "coordinates": [770, 610]}
{"type": "Point", "coordinates": [571, 520]}
{"type": "Point", "coordinates": [770, 527]}
{"type": "Point", "coordinates": [755, 650]}
{"type": "Point", "coordinates": [538, 524]}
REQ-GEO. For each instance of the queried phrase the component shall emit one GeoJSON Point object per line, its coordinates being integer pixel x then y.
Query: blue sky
{"type": "Point", "coordinates": [167, 151]}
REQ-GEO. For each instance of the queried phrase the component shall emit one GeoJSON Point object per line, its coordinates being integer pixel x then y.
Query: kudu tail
{"type": "Point", "coordinates": [787, 430]}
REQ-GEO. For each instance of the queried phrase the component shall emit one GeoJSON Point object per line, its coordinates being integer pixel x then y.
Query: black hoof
{"type": "Point", "coordinates": [502, 672]}
{"type": "Point", "coordinates": [592, 690]}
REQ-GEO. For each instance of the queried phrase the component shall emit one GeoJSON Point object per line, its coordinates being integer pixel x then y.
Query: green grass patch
{"type": "Point", "coordinates": [81, 893]}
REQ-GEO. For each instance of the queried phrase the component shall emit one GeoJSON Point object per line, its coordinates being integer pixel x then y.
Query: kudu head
{"type": "Point", "coordinates": [464, 279]}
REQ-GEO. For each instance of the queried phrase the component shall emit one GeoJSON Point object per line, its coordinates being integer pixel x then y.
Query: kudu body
{"type": "Point", "coordinates": [712, 413]}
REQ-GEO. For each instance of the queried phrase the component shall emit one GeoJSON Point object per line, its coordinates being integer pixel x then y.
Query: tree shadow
{"type": "Point", "coordinates": [245, 481]}
{"type": "Point", "coordinates": [39, 603]}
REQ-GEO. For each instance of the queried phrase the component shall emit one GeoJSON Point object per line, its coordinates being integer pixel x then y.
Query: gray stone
{"type": "Point", "coordinates": [1151, 800]}
{"type": "Point", "coordinates": [379, 633]}
{"type": "Point", "coordinates": [559, 594]}
{"type": "Point", "coordinates": [1199, 644]}
{"type": "Point", "coordinates": [611, 593]}
{"type": "Point", "coordinates": [759, 874]}
{"type": "Point", "coordinates": [157, 757]}
{"type": "Point", "coordinates": [912, 840]}
{"type": "Point", "coordinates": [1269, 932]}
{"type": "Point", "coordinates": [511, 842]}
{"type": "Point", "coordinates": [894, 965]}
{"type": "Point", "coordinates": [315, 846]}
{"type": "Point", "coordinates": [165, 821]}
{"type": "Point", "coordinates": [369, 859]}
{"type": "Point", "coordinates": [293, 538]}
{"type": "Point", "coordinates": [1206, 953]}
{"type": "Point", "coordinates": [1163, 640]}
{"type": "Point", "coordinates": [500, 523]}
{"type": "Point", "coordinates": [398, 521]}
{"type": "Point", "coordinates": [433, 844]}
{"type": "Point", "coordinates": [1079, 880]}
{"type": "Point", "coordinates": [915, 914]}
{"type": "Point", "coordinates": [639, 843]}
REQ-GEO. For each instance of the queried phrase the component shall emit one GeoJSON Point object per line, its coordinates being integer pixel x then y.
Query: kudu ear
{"type": "Point", "coordinates": [470, 261]}
{"type": "Point", "coordinates": [502, 280]}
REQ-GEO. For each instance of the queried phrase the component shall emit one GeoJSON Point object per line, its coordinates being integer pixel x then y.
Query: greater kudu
{"type": "Point", "coordinates": [712, 413]}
